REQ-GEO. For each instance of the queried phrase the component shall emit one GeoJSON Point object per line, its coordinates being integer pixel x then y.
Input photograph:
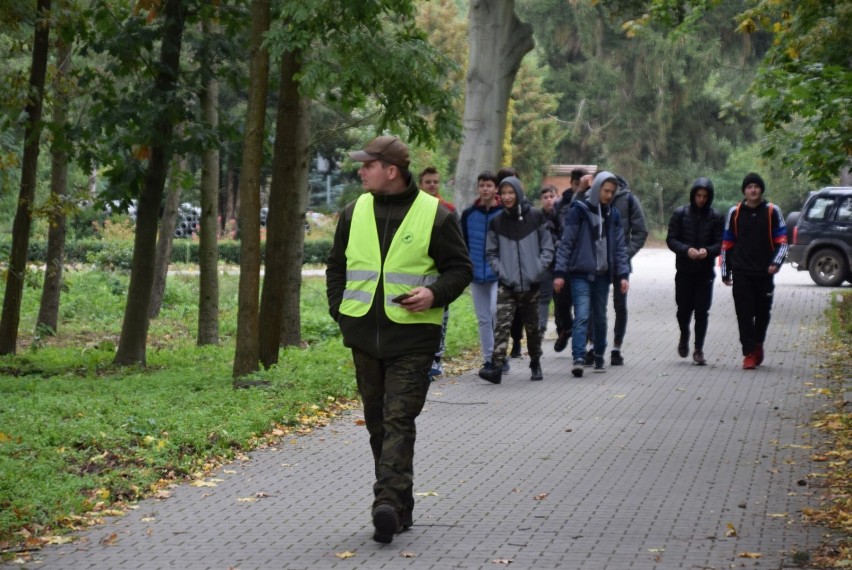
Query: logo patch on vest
{"type": "Point", "coordinates": [408, 238]}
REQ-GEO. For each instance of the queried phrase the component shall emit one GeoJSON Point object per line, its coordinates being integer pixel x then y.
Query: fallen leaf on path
{"type": "Point", "coordinates": [502, 561]}
{"type": "Point", "coordinates": [360, 422]}
{"type": "Point", "coordinates": [109, 540]}
{"type": "Point", "coordinates": [655, 550]}
{"type": "Point", "coordinates": [58, 539]}
{"type": "Point", "coordinates": [406, 554]}
{"type": "Point", "coordinates": [778, 515]}
{"type": "Point", "coordinates": [427, 494]}
{"type": "Point", "coordinates": [749, 555]}
{"type": "Point", "coordinates": [203, 484]}
{"type": "Point", "coordinates": [345, 554]}
{"type": "Point", "coordinates": [619, 396]}
{"type": "Point", "coordinates": [541, 496]}
{"type": "Point", "coordinates": [732, 530]}
{"type": "Point", "coordinates": [229, 472]}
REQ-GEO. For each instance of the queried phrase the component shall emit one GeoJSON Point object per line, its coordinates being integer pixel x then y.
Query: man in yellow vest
{"type": "Point", "coordinates": [397, 260]}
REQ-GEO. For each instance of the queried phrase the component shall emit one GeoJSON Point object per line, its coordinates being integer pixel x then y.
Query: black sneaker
{"type": "Point", "coordinates": [492, 373]}
{"type": "Point", "coordinates": [406, 522]}
{"type": "Point", "coordinates": [386, 523]}
{"type": "Point", "coordinates": [590, 358]}
{"type": "Point", "coordinates": [600, 364]}
{"type": "Point", "coordinates": [516, 350]}
{"type": "Point", "coordinates": [698, 357]}
{"type": "Point", "coordinates": [535, 370]}
{"type": "Point", "coordinates": [615, 358]}
{"type": "Point", "coordinates": [562, 340]}
{"type": "Point", "coordinates": [506, 367]}
{"type": "Point", "coordinates": [577, 369]}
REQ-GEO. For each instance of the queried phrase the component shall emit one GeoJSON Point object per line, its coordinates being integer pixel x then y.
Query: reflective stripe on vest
{"type": "Point", "coordinates": [406, 266]}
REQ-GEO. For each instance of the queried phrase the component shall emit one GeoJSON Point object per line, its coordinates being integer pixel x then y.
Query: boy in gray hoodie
{"type": "Point", "coordinates": [518, 248]}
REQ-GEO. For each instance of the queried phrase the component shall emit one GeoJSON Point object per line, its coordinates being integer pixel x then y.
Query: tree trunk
{"type": "Point", "coordinates": [498, 43]}
{"type": "Point", "coordinates": [285, 223]}
{"type": "Point", "coordinates": [247, 351]}
{"type": "Point", "coordinates": [134, 329]}
{"type": "Point", "coordinates": [166, 237]}
{"type": "Point", "coordinates": [11, 316]}
{"type": "Point", "coordinates": [48, 313]}
{"type": "Point", "coordinates": [208, 249]}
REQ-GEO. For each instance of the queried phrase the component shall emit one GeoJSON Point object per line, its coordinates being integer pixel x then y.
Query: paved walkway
{"type": "Point", "coordinates": [647, 466]}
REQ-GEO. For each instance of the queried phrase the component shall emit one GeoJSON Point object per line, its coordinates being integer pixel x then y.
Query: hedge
{"type": "Point", "coordinates": [118, 254]}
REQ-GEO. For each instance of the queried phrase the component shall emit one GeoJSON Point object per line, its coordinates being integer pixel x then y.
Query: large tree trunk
{"type": "Point", "coordinates": [498, 43]}
{"type": "Point", "coordinates": [48, 313]}
{"type": "Point", "coordinates": [208, 250]}
{"type": "Point", "coordinates": [134, 329]}
{"type": "Point", "coordinates": [285, 224]}
{"type": "Point", "coordinates": [247, 351]}
{"type": "Point", "coordinates": [23, 216]}
{"type": "Point", "coordinates": [166, 237]}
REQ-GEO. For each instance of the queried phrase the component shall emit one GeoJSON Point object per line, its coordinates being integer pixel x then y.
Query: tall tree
{"type": "Point", "coordinates": [132, 343]}
{"type": "Point", "coordinates": [280, 322]}
{"type": "Point", "coordinates": [498, 43]}
{"type": "Point", "coordinates": [208, 250]}
{"type": "Point", "coordinates": [48, 313]}
{"type": "Point", "coordinates": [166, 235]}
{"type": "Point", "coordinates": [247, 353]}
{"type": "Point", "coordinates": [23, 216]}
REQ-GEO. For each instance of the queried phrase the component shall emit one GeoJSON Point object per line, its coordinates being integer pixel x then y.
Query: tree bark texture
{"type": "Point", "coordinates": [166, 237]}
{"type": "Point", "coordinates": [13, 296]}
{"type": "Point", "coordinates": [285, 223]}
{"type": "Point", "coordinates": [48, 312]}
{"type": "Point", "coordinates": [133, 341]}
{"type": "Point", "coordinates": [498, 43]}
{"type": "Point", "coordinates": [208, 250]}
{"type": "Point", "coordinates": [246, 355]}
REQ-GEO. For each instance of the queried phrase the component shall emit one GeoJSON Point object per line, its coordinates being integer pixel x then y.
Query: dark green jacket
{"type": "Point", "coordinates": [374, 333]}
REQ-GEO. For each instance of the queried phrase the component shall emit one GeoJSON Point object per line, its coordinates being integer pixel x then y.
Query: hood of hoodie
{"type": "Point", "coordinates": [523, 205]}
{"type": "Point", "coordinates": [701, 183]}
{"type": "Point", "coordinates": [594, 193]}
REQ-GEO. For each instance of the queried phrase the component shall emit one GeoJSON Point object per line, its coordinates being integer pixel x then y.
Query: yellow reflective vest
{"type": "Point", "coordinates": [406, 266]}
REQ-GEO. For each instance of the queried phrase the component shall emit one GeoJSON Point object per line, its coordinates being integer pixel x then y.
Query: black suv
{"type": "Point", "coordinates": [820, 236]}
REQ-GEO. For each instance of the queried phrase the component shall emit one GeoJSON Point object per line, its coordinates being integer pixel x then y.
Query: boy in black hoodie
{"type": "Point", "coordinates": [518, 248]}
{"type": "Point", "coordinates": [695, 236]}
{"type": "Point", "coordinates": [754, 245]}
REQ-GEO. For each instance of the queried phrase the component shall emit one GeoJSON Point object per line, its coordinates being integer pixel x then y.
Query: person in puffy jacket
{"type": "Point", "coordinates": [592, 255]}
{"type": "Point", "coordinates": [519, 248]}
{"type": "Point", "coordinates": [695, 236]}
{"type": "Point", "coordinates": [483, 289]}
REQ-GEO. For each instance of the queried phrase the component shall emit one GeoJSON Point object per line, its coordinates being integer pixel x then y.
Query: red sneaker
{"type": "Point", "coordinates": [758, 354]}
{"type": "Point", "coordinates": [749, 362]}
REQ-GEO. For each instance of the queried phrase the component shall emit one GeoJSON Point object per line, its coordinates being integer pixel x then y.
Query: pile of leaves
{"type": "Point", "coordinates": [835, 453]}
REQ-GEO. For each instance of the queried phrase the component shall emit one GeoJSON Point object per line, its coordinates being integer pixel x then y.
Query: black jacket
{"type": "Point", "coordinates": [375, 333]}
{"type": "Point", "coordinates": [691, 226]}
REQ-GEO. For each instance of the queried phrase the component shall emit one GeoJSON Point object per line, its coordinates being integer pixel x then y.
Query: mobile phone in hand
{"type": "Point", "coordinates": [400, 298]}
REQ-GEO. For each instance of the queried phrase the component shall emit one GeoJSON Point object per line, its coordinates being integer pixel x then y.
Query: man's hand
{"type": "Point", "coordinates": [625, 285]}
{"type": "Point", "coordinates": [558, 284]}
{"type": "Point", "coordinates": [773, 269]}
{"type": "Point", "coordinates": [586, 181]}
{"type": "Point", "coordinates": [727, 282]}
{"type": "Point", "coordinates": [692, 253]}
{"type": "Point", "coordinates": [421, 299]}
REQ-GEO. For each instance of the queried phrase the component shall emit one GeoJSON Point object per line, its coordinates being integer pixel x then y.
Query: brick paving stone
{"type": "Point", "coordinates": [641, 467]}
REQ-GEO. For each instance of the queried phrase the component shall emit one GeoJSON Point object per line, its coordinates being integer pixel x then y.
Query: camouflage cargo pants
{"type": "Point", "coordinates": [508, 301]}
{"type": "Point", "coordinates": [393, 392]}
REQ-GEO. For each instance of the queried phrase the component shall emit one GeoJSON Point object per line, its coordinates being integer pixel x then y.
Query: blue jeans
{"type": "Point", "coordinates": [589, 302]}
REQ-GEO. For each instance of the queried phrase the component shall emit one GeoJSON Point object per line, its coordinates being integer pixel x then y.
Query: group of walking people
{"type": "Point", "coordinates": [401, 256]}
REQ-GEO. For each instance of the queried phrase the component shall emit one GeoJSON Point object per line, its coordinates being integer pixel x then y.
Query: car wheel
{"type": "Point", "coordinates": [827, 268]}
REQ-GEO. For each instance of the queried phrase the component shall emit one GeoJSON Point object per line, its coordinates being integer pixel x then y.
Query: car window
{"type": "Point", "coordinates": [819, 209]}
{"type": "Point", "coordinates": [844, 210]}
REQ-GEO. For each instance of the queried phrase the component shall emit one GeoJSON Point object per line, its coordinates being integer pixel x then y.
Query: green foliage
{"type": "Point", "coordinates": [375, 54]}
{"type": "Point", "coordinates": [76, 430]}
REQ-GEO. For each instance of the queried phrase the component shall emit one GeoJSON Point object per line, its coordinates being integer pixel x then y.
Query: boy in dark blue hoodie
{"type": "Point", "coordinates": [592, 255]}
{"type": "Point", "coordinates": [518, 248]}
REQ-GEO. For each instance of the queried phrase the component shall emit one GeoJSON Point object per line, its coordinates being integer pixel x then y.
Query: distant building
{"type": "Point", "coordinates": [559, 175]}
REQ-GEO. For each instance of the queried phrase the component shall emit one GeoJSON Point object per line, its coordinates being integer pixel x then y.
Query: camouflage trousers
{"type": "Point", "coordinates": [393, 392]}
{"type": "Point", "coordinates": [508, 301]}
